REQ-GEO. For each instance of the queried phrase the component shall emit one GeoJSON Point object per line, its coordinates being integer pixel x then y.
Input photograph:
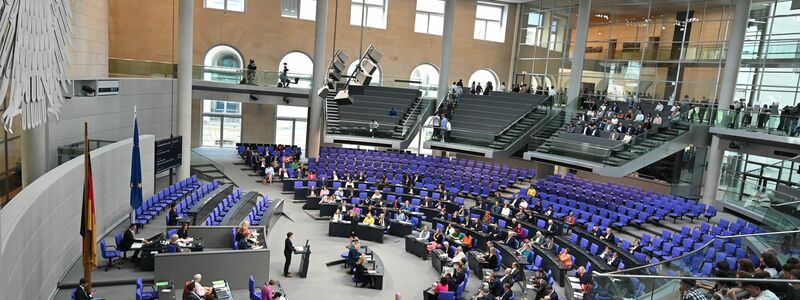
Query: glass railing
{"type": "Point", "coordinates": [119, 67]}
{"type": "Point", "coordinates": [198, 160]}
{"type": "Point", "coordinates": [778, 210]}
{"type": "Point", "coordinates": [661, 279]}
{"type": "Point", "coordinates": [750, 120]}
{"type": "Point", "coordinates": [477, 137]}
{"type": "Point", "coordinates": [597, 151]}
{"type": "Point", "coordinates": [386, 125]}
{"type": "Point", "coordinates": [709, 52]}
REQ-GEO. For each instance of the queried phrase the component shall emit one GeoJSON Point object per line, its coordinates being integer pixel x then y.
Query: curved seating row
{"type": "Point", "coordinates": [223, 207]}
{"type": "Point", "coordinates": [158, 201]}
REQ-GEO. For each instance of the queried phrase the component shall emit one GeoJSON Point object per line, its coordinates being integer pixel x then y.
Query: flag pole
{"type": "Point", "coordinates": [133, 210]}
{"type": "Point", "coordinates": [88, 241]}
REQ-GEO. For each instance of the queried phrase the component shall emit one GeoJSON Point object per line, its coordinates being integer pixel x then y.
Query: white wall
{"type": "Point", "coordinates": [88, 53]}
{"type": "Point", "coordinates": [39, 230]}
{"type": "Point", "coordinates": [111, 117]}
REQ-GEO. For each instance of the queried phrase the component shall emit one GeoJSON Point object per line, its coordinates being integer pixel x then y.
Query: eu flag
{"type": "Point", "coordinates": [136, 169]}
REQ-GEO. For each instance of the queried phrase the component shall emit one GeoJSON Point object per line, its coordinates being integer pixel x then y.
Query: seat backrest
{"type": "Point", "coordinates": [447, 296]}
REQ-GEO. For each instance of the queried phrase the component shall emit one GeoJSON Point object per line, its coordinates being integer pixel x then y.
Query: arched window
{"type": "Point", "coordinates": [376, 77]}
{"type": "Point", "coordinates": [300, 66]}
{"type": "Point", "coordinates": [482, 76]}
{"type": "Point", "coordinates": [223, 63]}
{"type": "Point", "coordinates": [428, 76]}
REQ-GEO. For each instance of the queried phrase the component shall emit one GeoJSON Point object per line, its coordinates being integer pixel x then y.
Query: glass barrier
{"type": "Point", "coordinates": [385, 126]}
{"type": "Point", "coordinates": [481, 138]}
{"type": "Point", "coordinates": [198, 161]}
{"type": "Point", "coordinates": [783, 124]}
{"type": "Point", "coordinates": [600, 151]}
{"type": "Point", "coordinates": [660, 279]}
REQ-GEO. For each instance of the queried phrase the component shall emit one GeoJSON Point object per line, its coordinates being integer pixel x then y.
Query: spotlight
{"type": "Point", "coordinates": [368, 66]}
{"type": "Point", "coordinates": [342, 56]}
{"type": "Point", "coordinates": [374, 55]}
{"type": "Point", "coordinates": [343, 97]}
{"type": "Point", "coordinates": [253, 97]}
{"type": "Point", "coordinates": [323, 91]}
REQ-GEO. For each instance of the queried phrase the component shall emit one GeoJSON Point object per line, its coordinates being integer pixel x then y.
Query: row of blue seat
{"type": "Point", "coordinates": [162, 199]}
{"type": "Point", "coordinates": [223, 207]}
{"type": "Point", "coordinates": [257, 212]}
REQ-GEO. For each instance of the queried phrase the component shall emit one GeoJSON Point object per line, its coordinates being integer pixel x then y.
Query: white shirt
{"type": "Point", "coordinates": [765, 295]}
{"type": "Point", "coordinates": [336, 218]}
{"type": "Point", "coordinates": [523, 204]}
{"type": "Point", "coordinates": [459, 256]}
{"type": "Point", "coordinates": [552, 92]}
{"type": "Point", "coordinates": [639, 118]}
{"type": "Point", "coordinates": [659, 107]}
{"type": "Point", "coordinates": [502, 88]}
{"type": "Point", "coordinates": [626, 139]}
{"type": "Point", "coordinates": [505, 211]}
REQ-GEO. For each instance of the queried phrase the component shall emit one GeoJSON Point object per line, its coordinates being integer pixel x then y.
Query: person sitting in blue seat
{"type": "Point", "coordinates": [173, 245]}
{"type": "Point", "coordinates": [354, 253]}
{"type": "Point", "coordinates": [507, 293]}
{"type": "Point", "coordinates": [407, 206]}
{"type": "Point", "coordinates": [401, 216]}
{"type": "Point", "coordinates": [82, 292]}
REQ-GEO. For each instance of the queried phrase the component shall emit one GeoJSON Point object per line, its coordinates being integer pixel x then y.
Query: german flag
{"type": "Point", "coordinates": [88, 229]}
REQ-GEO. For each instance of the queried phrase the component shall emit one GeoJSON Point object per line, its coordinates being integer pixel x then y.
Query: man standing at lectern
{"type": "Point", "coordinates": [288, 249]}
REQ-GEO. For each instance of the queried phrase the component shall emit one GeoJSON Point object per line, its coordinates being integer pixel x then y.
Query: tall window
{"type": "Point", "coordinates": [376, 76]}
{"type": "Point", "coordinates": [428, 76]}
{"type": "Point", "coordinates": [231, 5]}
{"type": "Point", "coordinates": [222, 123]}
{"type": "Point", "coordinates": [430, 17]}
{"type": "Point", "coordinates": [291, 126]}
{"type": "Point", "coordinates": [484, 76]}
{"type": "Point", "coordinates": [374, 12]}
{"type": "Point", "coordinates": [300, 66]}
{"type": "Point", "coordinates": [222, 63]}
{"type": "Point", "coordinates": [302, 9]}
{"type": "Point", "coordinates": [490, 22]}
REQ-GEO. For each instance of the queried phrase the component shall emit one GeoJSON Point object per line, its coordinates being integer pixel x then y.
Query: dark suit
{"type": "Point", "coordinates": [127, 242]}
{"type": "Point", "coordinates": [507, 294]}
{"type": "Point", "coordinates": [614, 263]}
{"type": "Point", "coordinates": [517, 275]}
{"type": "Point", "coordinates": [81, 294]}
{"type": "Point", "coordinates": [172, 218]}
{"type": "Point", "coordinates": [183, 234]}
{"type": "Point", "coordinates": [459, 276]}
{"type": "Point", "coordinates": [608, 237]}
{"type": "Point", "coordinates": [288, 249]}
{"type": "Point", "coordinates": [496, 288]}
{"type": "Point", "coordinates": [507, 279]}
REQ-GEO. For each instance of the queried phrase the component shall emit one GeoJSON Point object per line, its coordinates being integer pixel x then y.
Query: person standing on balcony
{"type": "Point", "coordinates": [284, 76]}
{"type": "Point", "coordinates": [373, 128]}
{"type": "Point", "coordinates": [436, 122]}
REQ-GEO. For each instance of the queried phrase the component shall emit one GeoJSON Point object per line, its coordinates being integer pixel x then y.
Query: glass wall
{"type": "Point", "coordinates": [10, 167]}
{"type": "Point", "coordinates": [291, 126]}
{"type": "Point", "coordinates": [768, 72]}
{"type": "Point", "coordinates": [661, 50]}
{"type": "Point", "coordinates": [545, 37]}
{"type": "Point", "coordinates": [222, 123]}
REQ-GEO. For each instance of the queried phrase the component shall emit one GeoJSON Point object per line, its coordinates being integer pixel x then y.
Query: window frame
{"type": "Point", "coordinates": [365, 16]}
{"type": "Point", "coordinates": [300, 11]}
{"type": "Point", "coordinates": [428, 15]}
{"type": "Point", "coordinates": [225, 6]}
{"type": "Point", "coordinates": [503, 22]}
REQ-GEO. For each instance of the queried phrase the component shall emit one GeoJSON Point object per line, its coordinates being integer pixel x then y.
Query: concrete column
{"type": "Point", "coordinates": [579, 51]}
{"type": "Point", "coordinates": [33, 153]}
{"type": "Point", "coordinates": [447, 47]}
{"type": "Point", "coordinates": [314, 136]}
{"type": "Point", "coordinates": [727, 91]}
{"type": "Point", "coordinates": [185, 40]}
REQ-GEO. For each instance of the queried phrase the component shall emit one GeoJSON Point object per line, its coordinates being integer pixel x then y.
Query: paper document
{"type": "Point", "coordinates": [298, 248]}
{"type": "Point", "coordinates": [136, 246]}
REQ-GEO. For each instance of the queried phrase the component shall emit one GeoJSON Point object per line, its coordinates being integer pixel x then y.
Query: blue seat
{"type": "Point", "coordinates": [109, 254]}
{"type": "Point", "coordinates": [447, 296]}
{"type": "Point", "coordinates": [171, 248]}
{"type": "Point", "coordinates": [254, 295]}
{"type": "Point", "coordinates": [118, 240]}
{"type": "Point", "coordinates": [146, 295]}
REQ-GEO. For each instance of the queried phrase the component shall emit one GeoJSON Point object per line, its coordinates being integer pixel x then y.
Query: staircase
{"type": "Point", "coordinates": [513, 133]}
{"type": "Point", "coordinates": [332, 114]}
{"type": "Point", "coordinates": [545, 133]}
{"type": "Point", "coordinates": [652, 142]}
{"type": "Point", "coordinates": [409, 117]}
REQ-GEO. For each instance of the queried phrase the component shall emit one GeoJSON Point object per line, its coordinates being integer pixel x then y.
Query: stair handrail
{"type": "Point", "coordinates": [538, 126]}
{"type": "Point", "coordinates": [522, 117]}
{"type": "Point", "coordinates": [409, 116]}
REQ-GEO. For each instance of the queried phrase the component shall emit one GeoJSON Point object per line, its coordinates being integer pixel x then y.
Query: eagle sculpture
{"type": "Point", "coordinates": [34, 40]}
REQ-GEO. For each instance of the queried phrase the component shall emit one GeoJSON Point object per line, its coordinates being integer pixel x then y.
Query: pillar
{"type": "Point", "coordinates": [315, 116]}
{"type": "Point", "coordinates": [727, 91]}
{"type": "Point", "coordinates": [33, 153]}
{"type": "Point", "coordinates": [447, 47]}
{"type": "Point", "coordinates": [185, 40]}
{"type": "Point", "coordinates": [579, 51]}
